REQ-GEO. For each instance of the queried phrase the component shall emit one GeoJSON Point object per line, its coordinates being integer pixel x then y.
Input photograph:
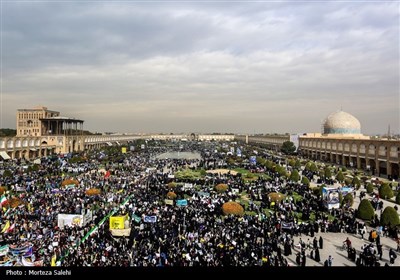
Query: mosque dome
{"type": "Point", "coordinates": [341, 123]}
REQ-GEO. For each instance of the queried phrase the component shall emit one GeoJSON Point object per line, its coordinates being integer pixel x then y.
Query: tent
{"type": "Point", "coordinates": [4, 155]}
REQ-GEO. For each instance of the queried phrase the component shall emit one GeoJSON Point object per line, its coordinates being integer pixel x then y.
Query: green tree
{"type": "Point", "coordinates": [348, 200]}
{"type": "Point", "coordinates": [305, 181]}
{"type": "Point", "coordinates": [347, 181]}
{"type": "Point", "coordinates": [294, 176]}
{"type": "Point", "coordinates": [313, 167]}
{"type": "Point", "coordinates": [7, 173]}
{"type": "Point", "coordinates": [365, 210]}
{"type": "Point", "coordinates": [288, 148]}
{"type": "Point", "coordinates": [390, 217]}
{"type": "Point", "coordinates": [356, 182]}
{"type": "Point", "coordinates": [297, 164]}
{"type": "Point", "coordinates": [340, 176]}
{"type": "Point", "coordinates": [370, 188]}
{"type": "Point", "coordinates": [327, 172]}
{"type": "Point", "coordinates": [292, 162]}
{"type": "Point", "coordinates": [385, 191]}
{"type": "Point", "coordinates": [269, 165]}
{"type": "Point", "coordinates": [260, 160]}
{"type": "Point", "coordinates": [7, 132]}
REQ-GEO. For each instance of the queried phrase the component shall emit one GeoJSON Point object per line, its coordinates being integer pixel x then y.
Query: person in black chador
{"type": "Point", "coordinates": [298, 258]}
{"type": "Point", "coordinates": [287, 250]}
{"type": "Point", "coordinates": [321, 243]}
{"type": "Point", "coordinates": [303, 258]}
{"type": "Point", "coordinates": [317, 257]}
{"type": "Point", "coordinates": [315, 243]}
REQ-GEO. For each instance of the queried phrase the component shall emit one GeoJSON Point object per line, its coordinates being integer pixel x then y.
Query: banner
{"type": "Point", "coordinates": [121, 232]}
{"type": "Point", "coordinates": [346, 190]}
{"type": "Point", "coordinates": [253, 160]}
{"type": "Point", "coordinates": [150, 219]}
{"type": "Point", "coordinates": [136, 218]}
{"type": "Point", "coordinates": [87, 218]}
{"type": "Point", "coordinates": [69, 220]}
{"type": "Point", "coordinates": [123, 150]}
{"type": "Point", "coordinates": [6, 227]}
{"type": "Point", "coordinates": [169, 202]}
{"type": "Point", "coordinates": [181, 202]}
{"type": "Point", "coordinates": [187, 186]}
{"type": "Point", "coordinates": [235, 190]}
{"type": "Point", "coordinates": [20, 188]}
{"type": "Point", "coordinates": [285, 225]}
{"type": "Point", "coordinates": [330, 198]}
{"type": "Point", "coordinates": [24, 249]}
{"type": "Point", "coordinates": [4, 250]}
{"type": "Point", "coordinates": [238, 152]}
{"type": "Point", "coordinates": [206, 194]}
{"type": "Point", "coordinates": [118, 222]}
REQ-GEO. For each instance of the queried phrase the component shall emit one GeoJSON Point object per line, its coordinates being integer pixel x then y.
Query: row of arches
{"type": "Point", "coordinates": [375, 165]}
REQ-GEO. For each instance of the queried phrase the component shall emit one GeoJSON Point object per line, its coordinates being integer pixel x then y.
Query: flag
{"type": "Point", "coordinates": [3, 200]}
{"type": "Point", "coordinates": [108, 174]}
{"type": "Point", "coordinates": [11, 228]}
{"type": "Point", "coordinates": [6, 227]}
{"type": "Point", "coordinates": [53, 260]}
{"type": "Point", "coordinates": [29, 252]}
{"type": "Point", "coordinates": [150, 219]}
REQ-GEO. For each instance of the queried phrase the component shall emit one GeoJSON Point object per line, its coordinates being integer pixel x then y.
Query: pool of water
{"type": "Point", "coordinates": [179, 155]}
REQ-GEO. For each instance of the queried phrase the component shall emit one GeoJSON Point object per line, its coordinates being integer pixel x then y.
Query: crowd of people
{"type": "Point", "coordinates": [197, 234]}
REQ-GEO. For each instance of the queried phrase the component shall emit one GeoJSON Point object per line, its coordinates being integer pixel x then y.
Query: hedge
{"type": "Point", "coordinates": [365, 210]}
{"type": "Point", "coordinates": [221, 188]}
{"type": "Point", "coordinates": [390, 217]}
{"type": "Point", "coordinates": [385, 191]}
{"type": "Point", "coordinates": [232, 208]}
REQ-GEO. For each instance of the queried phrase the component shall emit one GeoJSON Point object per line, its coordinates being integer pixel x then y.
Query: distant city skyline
{"type": "Point", "coordinates": [240, 67]}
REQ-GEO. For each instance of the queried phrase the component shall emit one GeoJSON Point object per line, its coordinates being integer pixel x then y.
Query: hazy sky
{"type": "Point", "coordinates": [198, 66]}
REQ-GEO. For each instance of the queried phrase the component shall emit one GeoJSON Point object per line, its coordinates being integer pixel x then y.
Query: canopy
{"type": "Point", "coordinates": [4, 155]}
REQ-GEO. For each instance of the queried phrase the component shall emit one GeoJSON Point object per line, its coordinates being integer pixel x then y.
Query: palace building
{"type": "Point", "coordinates": [343, 143]}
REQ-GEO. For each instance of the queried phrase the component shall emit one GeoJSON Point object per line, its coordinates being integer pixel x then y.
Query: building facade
{"type": "Point", "coordinates": [29, 120]}
{"type": "Point", "coordinates": [342, 143]}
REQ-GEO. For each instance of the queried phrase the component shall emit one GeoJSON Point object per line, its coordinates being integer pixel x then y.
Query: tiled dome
{"type": "Point", "coordinates": [341, 123]}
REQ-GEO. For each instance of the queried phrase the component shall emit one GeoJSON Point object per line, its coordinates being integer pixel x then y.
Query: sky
{"type": "Point", "coordinates": [202, 66]}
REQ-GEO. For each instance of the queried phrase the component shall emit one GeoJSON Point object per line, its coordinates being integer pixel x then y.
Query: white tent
{"type": "Point", "coordinates": [4, 155]}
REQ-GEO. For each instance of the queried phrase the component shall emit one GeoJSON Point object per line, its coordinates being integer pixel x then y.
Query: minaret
{"type": "Point", "coordinates": [388, 134]}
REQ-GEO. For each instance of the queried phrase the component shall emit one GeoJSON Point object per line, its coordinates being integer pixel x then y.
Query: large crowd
{"type": "Point", "coordinates": [194, 235]}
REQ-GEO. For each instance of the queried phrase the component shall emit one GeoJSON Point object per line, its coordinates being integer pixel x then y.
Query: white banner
{"type": "Point", "coordinates": [69, 220]}
{"type": "Point", "coordinates": [87, 218]}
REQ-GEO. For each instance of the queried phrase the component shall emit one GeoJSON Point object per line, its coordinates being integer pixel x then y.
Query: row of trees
{"type": "Point", "coordinates": [389, 216]}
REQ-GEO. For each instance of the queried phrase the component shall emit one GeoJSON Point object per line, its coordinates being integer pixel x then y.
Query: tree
{"type": "Point", "coordinates": [370, 188]}
{"type": "Point", "coordinates": [7, 173]}
{"type": "Point", "coordinates": [327, 172]}
{"type": "Point", "coordinates": [313, 167]}
{"type": "Point", "coordinates": [365, 210]}
{"type": "Point", "coordinates": [390, 217]}
{"type": "Point", "coordinates": [340, 176]}
{"type": "Point", "coordinates": [305, 181]}
{"type": "Point", "coordinates": [356, 182]}
{"type": "Point", "coordinates": [294, 176]}
{"type": "Point", "coordinates": [288, 148]}
{"type": "Point", "coordinates": [348, 200]}
{"type": "Point", "coordinates": [297, 164]}
{"type": "Point", "coordinates": [385, 191]}
{"type": "Point", "coordinates": [7, 132]}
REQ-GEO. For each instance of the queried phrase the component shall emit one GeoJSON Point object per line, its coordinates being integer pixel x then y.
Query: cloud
{"type": "Point", "coordinates": [174, 67]}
